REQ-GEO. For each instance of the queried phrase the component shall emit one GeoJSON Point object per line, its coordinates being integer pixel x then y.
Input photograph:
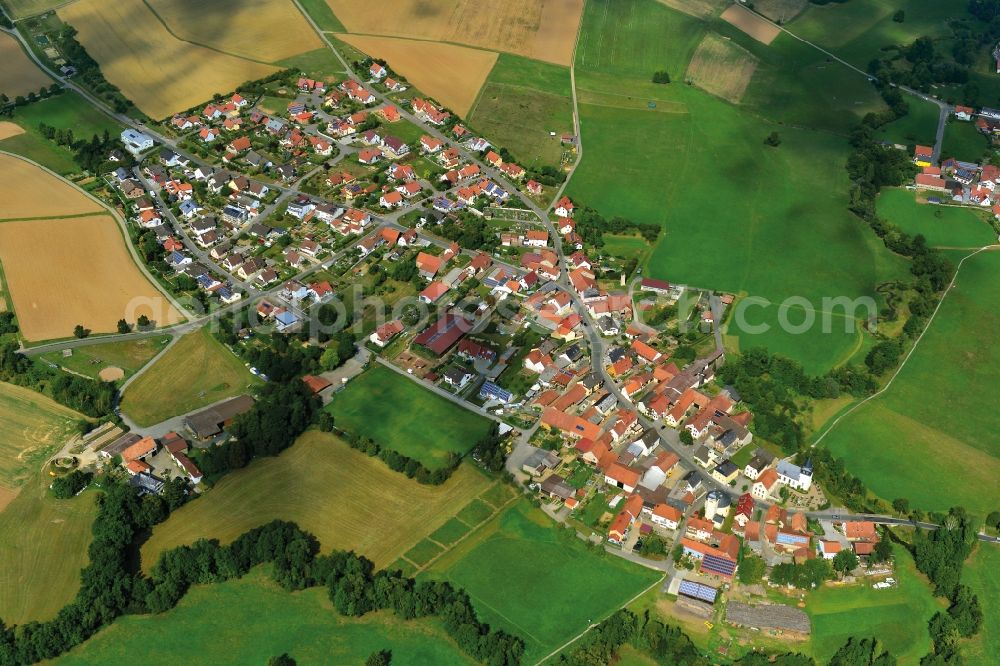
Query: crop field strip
{"type": "Point", "coordinates": [19, 75]}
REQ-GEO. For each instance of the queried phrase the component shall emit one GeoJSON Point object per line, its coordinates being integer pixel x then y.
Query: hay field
{"type": "Point", "coordinates": [348, 500]}
{"type": "Point", "coordinates": [194, 373]}
{"type": "Point", "coordinates": [246, 28]}
{"type": "Point", "coordinates": [450, 74]}
{"type": "Point", "coordinates": [64, 272]}
{"type": "Point", "coordinates": [157, 71]}
{"type": "Point", "coordinates": [751, 24]}
{"type": "Point", "coordinates": [543, 30]}
{"type": "Point", "coordinates": [32, 427]}
{"type": "Point", "coordinates": [697, 8]}
{"type": "Point", "coordinates": [27, 191]}
{"type": "Point", "coordinates": [9, 129]}
{"type": "Point", "coordinates": [781, 11]}
{"type": "Point", "coordinates": [722, 68]}
{"type": "Point", "coordinates": [19, 75]}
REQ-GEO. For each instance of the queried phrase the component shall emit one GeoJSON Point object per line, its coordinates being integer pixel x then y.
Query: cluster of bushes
{"type": "Point", "coordinates": [87, 396]}
{"type": "Point", "coordinates": [91, 155]}
{"type": "Point", "coordinates": [21, 100]}
{"type": "Point", "coordinates": [8, 323]}
{"type": "Point", "coordinates": [68, 485]}
{"type": "Point", "coordinates": [489, 451]}
{"type": "Point", "coordinates": [592, 226]}
{"type": "Point", "coordinates": [469, 231]}
{"type": "Point", "coordinates": [805, 576]}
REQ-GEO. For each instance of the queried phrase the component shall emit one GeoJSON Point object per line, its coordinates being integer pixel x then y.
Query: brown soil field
{"type": "Point", "coordinates": [722, 68]}
{"type": "Point", "coordinates": [9, 129]}
{"type": "Point", "coordinates": [696, 8]}
{"type": "Point", "coordinates": [6, 497]}
{"type": "Point", "coordinates": [18, 75]}
{"type": "Point", "coordinates": [27, 191]}
{"type": "Point", "coordinates": [449, 73]}
{"type": "Point", "coordinates": [750, 23]}
{"type": "Point", "coordinates": [544, 30]}
{"type": "Point", "coordinates": [64, 272]}
{"type": "Point", "coordinates": [111, 374]}
{"type": "Point", "coordinates": [159, 72]}
{"type": "Point", "coordinates": [780, 10]}
{"type": "Point", "coordinates": [245, 28]}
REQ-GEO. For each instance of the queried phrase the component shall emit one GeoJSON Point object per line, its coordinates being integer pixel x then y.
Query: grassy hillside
{"type": "Point", "coordinates": [980, 573]}
{"type": "Point", "coordinates": [942, 226]}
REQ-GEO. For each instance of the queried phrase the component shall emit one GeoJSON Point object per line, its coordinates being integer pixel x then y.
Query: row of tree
{"type": "Point", "coordinates": [87, 396]}
{"type": "Point", "coordinates": [592, 226]}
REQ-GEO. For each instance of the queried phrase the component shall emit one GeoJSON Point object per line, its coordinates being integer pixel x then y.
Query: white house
{"type": "Point", "coordinates": [136, 142]}
{"type": "Point", "coordinates": [664, 515]}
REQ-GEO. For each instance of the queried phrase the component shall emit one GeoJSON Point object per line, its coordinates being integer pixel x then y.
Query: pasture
{"type": "Point", "coordinates": [129, 355]}
{"type": "Point", "coordinates": [980, 573]}
{"type": "Point", "coordinates": [917, 126]}
{"type": "Point", "coordinates": [541, 30]}
{"type": "Point", "coordinates": [397, 413]}
{"type": "Point", "coordinates": [578, 585]}
{"type": "Point", "coordinates": [240, 28]}
{"type": "Point", "coordinates": [43, 549]}
{"type": "Point", "coordinates": [751, 24]}
{"type": "Point", "coordinates": [196, 372]}
{"type": "Point", "coordinates": [897, 616]}
{"type": "Point", "coordinates": [250, 620]}
{"type": "Point", "coordinates": [139, 55]}
{"type": "Point", "coordinates": [938, 457]}
{"type": "Point", "coordinates": [347, 499]}
{"type": "Point", "coordinates": [721, 68]}
{"type": "Point", "coordinates": [964, 142]}
{"type": "Point", "coordinates": [449, 73]}
{"type": "Point", "coordinates": [522, 102]}
{"type": "Point", "coordinates": [19, 74]}
{"type": "Point", "coordinates": [29, 192]}
{"type": "Point", "coordinates": [780, 11]}
{"type": "Point", "coordinates": [32, 427]}
{"type": "Point", "coordinates": [101, 283]}
{"type": "Point", "coordinates": [942, 226]}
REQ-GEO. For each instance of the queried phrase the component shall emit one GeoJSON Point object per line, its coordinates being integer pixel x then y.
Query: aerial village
{"type": "Point", "coordinates": [350, 189]}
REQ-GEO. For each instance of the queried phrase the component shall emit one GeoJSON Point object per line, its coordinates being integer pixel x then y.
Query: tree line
{"type": "Point", "coordinates": [591, 226]}
{"type": "Point", "coordinates": [87, 396]}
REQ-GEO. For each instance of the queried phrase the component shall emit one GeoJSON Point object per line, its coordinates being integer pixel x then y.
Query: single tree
{"type": "Point", "coordinates": [379, 658]}
{"type": "Point", "coordinates": [686, 437]}
{"type": "Point", "coordinates": [845, 561]}
{"type": "Point", "coordinates": [773, 139]}
{"type": "Point", "coordinates": [899, 16]}
{"type": "Point", "coordinates": [281, 660]}
{"type": "Point", "coordinates": [80, 331]}
{"type": "Point", "coordinates": [901, 505]}
{"type": "Point", "coordinates": [662, 76]}
{"type": "Point", "coordinates": [123, 326]}
{"type": "Point", "coordinates": [143, 321]}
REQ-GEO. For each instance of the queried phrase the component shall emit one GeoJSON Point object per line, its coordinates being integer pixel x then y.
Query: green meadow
{"type": "Point", "coordinates": [919, 125]}
{"type": "Point", "coordinates": [963, 141]}
{"type": "Point", "coordinates": [942, 226]}
{"type": "Point", "coordinates": [980, 573]}
{"type": "Point", "coordinates": [525, 576]}
{"type": "Point", "coordinates": [522, 102]}
{"type": "Point", "coordinates": [250, 620]}
{"type": "Point", "coordinates": [401, 415]}
{"type": "Point", "coordinates": [930, 438]}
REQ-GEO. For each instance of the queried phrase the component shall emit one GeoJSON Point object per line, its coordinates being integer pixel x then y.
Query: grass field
{"type": "Point", "coordinates": [30, 192]}
{"type": "Point", "coordinates": [322, 15]}
{"type": "Point", "coordinates": [963, 142]}
{"type": "Point", "coordinates": [129, 355]}
{"type": "Point", "coordinates": [781, 11]}
{"type": "Point", "coordinates": [345, 498]}
{"type": "Point", "coordinates": [43, 549]}
{"type": "Point", "coordinates": [250, 620]}
{"type": "Point", "coordinates": [917, 126]}
{"type": "Point", "coordinates": [449, 73]}
{"type": "Point", "coordinates": [244, 29]}
{"type": "Point", "coordinates": [980, 573]}
{"type": "Point", "coordinates": [939, 457]}
{"type": "Point", "coordinates": [19, 75]}
{"type": "Point", "coordinates": [522, 576]}
{"type": "Point", "coordinates": [396, 412]}
{"type": "Point", "coordinates": [95, 282]}
{"type": "Point", "coordinates": [22, 8]}
{"type": "Point", "coordinates": [897, 616]}
{"type": "Point", "coordinates": [139, 55]}
{"type": "Point", "coordinates": [32, 427]}
{"type": "Point", "coordinates": [520, 104]}
{"type": "Point", "coordinates": [942, 226]}
{"type": "Point", "coordinates": [541, 30]}
{"type": "Point", "coordinates": [721, 68]}
{"type": "Point", "coordinates": [197, 371]}
{"type": "Point", "coordinates": [626, 246]}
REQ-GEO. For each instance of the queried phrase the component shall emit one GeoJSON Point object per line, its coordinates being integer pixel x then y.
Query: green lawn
{"type": "Point", "coordinates": [522, 101]}
{"type": "Point", "coordinates": [525, 577]}
{"type": "Point", "coordinates": [323, 16]}
{"type": "Point", "coordinates": [930, 438]}
{"type": "Point", "coordinates": [129, 355]}
{"type": "Point", "coordinates": [626, 246]}
{"type": "Point", "coordinates": [423, 552]}
{"type": "Point", "coordinates": [917, 126]}
{"type": "Point", "coordinates": [450, 532]}
{"type": "Point", "coordinates": [401, 415]}
{"type": "Point", "coordinates": [897, 616]}
{"type": "Point", "coordinates": [980, 573]}
{"type": "Point", "coordinates": [250, 620]}
{"type": "Point", "coordinates": [320, 63]}
{"type": "Point", "coordinates": [942, 226]}
{"type": "Point", "coordinates": [963, 142]}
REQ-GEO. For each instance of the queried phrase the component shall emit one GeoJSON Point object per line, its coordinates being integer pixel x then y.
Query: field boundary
{"type": "Point", "coordinates": [916, 343]}
{"type": "Point", "coordinates": [56, 217]}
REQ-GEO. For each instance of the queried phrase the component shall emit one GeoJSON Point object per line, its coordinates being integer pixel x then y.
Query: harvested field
{"type": "Point", "coordinates": [139, 55]}
{"type": "Point", "coordinates": [345, 498]}
{"type": "Point", "coordinates": [22, 8]}
{"type": "Point", "coordinates": [450, 74]}
{"type": "Point", "coordinates": [768, 616]}
{"type": "Point", "coordinates": [751, 24]}
{"type": "Point", "coordinates": [543, 30]}
{"type": "Point", "coordinates": [27, 191]}
{"type": "Point", "coordinates": [19, 75]}
{"type": "Point", "coordinates": [245, 28]}
{"type": "Point", "coordinates": [32, 427]}
{"type": "Point", "coordinates": [93, 280]}
{"type": "Point", "coordinates": [722, 68]}
{"type": "Point", "coordinates": [696, 8]}
{"type": "Point", "coordinates": [781, 11]}
{"type": "Point", "coordinates": [9, 129]}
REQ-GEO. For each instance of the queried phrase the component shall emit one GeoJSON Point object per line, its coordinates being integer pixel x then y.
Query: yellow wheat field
{"type": "Point", "coordinates": [157, 71]}
{"type": "Point", "coordinates": [28, 191]}
{"type": "Point", "coordinates": [267, 30]}
{"type": "Point", "coordinates": [9, 129]}
{"type": "Point", "coordinates": [449, 73]}
{"type": "Point", "coordinates": [541, 29]}
{"type": "Point", "coordinates": [18, 74]}
{"type": "Point", "coordinates": [64, 272]}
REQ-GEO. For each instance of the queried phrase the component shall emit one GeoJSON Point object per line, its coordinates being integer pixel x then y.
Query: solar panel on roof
{"type": "Point", "coordinates": [697, 591]}
{"type": "Point", "coordinates": [718, 565]}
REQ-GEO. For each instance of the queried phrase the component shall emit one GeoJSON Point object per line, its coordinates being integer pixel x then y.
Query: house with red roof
{"type": "Point", "coordinates": [386, 332]}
